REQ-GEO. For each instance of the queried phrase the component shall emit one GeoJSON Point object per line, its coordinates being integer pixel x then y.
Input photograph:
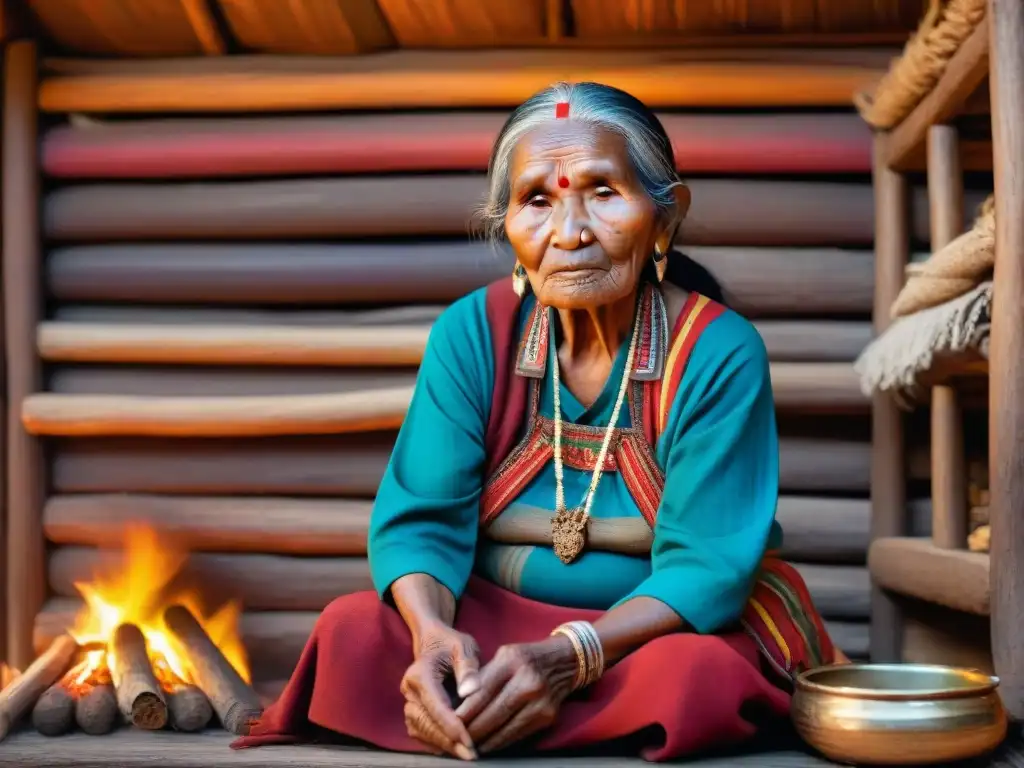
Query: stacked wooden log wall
{"type": "Point", "coordinates": [235, 308]}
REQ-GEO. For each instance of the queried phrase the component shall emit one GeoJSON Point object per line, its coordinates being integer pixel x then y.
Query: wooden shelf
{"type": "Point", "coordinates": [904, 146]}
{"type": "Point", "coordinates": [947, 369]}
{"type": "Point", "coordinates": [916, 568]}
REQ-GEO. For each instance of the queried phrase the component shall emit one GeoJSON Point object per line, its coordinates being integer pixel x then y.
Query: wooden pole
{"type": "Point", "coordinates": [26, 581]}
{"type": "Point", "coordinates": [949, 468]}
{"type": "Point", "coordinates": [888, 457]}
{"type": "Point", "coordinates": [1006, 355]}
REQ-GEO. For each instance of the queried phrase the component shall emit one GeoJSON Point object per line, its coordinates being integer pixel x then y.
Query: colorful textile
{"type": "Point", "coordinates": [680, 694]}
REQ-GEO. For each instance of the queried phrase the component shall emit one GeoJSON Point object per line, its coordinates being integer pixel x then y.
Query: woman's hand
{"type": "Point", "coordinates": [520, 692]}
{"type": "Point", "coordinates": [429, 717]}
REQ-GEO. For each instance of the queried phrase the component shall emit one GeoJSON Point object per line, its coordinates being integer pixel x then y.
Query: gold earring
{"type": "Point", "coordinates": [519, 280]}
{"type": "Point", "coordinates": [660, 263]}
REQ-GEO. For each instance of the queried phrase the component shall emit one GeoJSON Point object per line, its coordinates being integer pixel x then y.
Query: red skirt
{"type": "Point", "coordinates": [683, 693]}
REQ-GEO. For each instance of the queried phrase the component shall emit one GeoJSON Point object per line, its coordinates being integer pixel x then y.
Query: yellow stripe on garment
{"type": "Point", "coordinates": [776, 635]}
{"type": "Point", "coordinates": [677, 345]}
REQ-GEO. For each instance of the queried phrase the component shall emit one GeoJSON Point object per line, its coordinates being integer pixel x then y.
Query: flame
{"type": "Point", "coordinates": [137, 594]}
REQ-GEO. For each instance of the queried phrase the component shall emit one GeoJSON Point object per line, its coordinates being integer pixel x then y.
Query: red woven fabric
{"type": "Point", "coordinates": [684, 692]}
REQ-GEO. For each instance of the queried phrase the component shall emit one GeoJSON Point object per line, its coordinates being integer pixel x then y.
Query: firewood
{"type": "Point", "coordinates": [189, 708]}
{"type": "Point", "coordinates": [19, 697]}
{"type": "Point", "coordinates": [54, 711]}
{"type": "Point", "coordinates": [96, 710]}
{"type": "Point", "coordinates": [139, 696]}
{"type": "Point", "coordinates": [234, 701]}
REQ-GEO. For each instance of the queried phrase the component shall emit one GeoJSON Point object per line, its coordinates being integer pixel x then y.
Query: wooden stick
{"type": "Point", "coordinates": [96, 710]}
{"type": "Point", "coordinates": [139, 696]}
{"type": "Point", "coordinates": [234, 701]}
{"type": "Point", "coordinates": [17, 698]}
{"type": "Point", "coordinates": [189, 707]}
{"type": "Point", "coordinates": [54, 711]}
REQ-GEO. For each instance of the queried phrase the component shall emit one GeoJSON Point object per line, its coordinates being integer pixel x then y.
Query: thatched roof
{"type": "Point", "coordinates": [148, 28]}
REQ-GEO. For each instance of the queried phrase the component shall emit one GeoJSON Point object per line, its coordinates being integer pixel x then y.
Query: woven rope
{"type": "Point", "coordinates": [952, 270]}
{"type": "Point", "coordinates": [914, 73]}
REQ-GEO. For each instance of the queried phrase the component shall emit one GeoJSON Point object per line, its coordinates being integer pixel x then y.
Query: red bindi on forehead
{"type": "Point", "coordinates": [563, 182]}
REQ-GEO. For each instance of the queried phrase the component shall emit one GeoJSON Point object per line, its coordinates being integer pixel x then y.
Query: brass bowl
{"type": "Point", "coordinates": [898, 714]}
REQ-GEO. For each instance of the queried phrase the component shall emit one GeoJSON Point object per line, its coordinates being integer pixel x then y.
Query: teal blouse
{"type": "Point", "coordinates": [719, 454]}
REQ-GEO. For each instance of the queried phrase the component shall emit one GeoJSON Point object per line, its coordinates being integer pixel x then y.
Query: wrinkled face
{"type": "Point", "coordinates": [579, 220]}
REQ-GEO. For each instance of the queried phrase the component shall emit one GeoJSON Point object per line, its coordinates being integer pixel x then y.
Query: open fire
{"type": "Point", "coordinates": [141, 651]}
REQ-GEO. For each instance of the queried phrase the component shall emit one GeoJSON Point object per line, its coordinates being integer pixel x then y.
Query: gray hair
{"type": "Point", "coordinates": [647, 145]}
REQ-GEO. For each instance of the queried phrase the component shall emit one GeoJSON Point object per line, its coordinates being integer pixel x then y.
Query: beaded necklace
{"type": "Point", "coordinates": [569, 526]}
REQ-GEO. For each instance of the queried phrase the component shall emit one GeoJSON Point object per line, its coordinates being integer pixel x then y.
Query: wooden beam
{"type": "Point", "coordinates": [421, 142]}
{"type": "Point", "coordinates": [817, 529]}
{"type": "Point", "coordinates": [205, 26]}
{"type": "Point", "coordinates": [417, 79]}
{"type": "Point", "coordinates": [904, 145]}
{"type": "Point", "coordinates": [176, 338]}
{"type": "Point", "coordinates": [917, 568]}
{"type": "Point", "coordinates": [352, 465]}
{"type": "Point", "coordinates": [1006, 356]}
{"type": "Point", "coordinates": [554, 13]}
{"type": "Point", "coordinates": [5, 35]}
{"type": "Point", "coordinates": [223, 381]}
{"type": "Point", "coordinates": [758, 282]}
{"type": "Point", "coordinates": [276, 345]}
{"type": "Point", "coordinates": [254, 416]}
{"type": "Point", "coordinates": [278, 582]}
{"type": "Point", "coordinates": [277, 525]}
{"type": "Point", "coordinates": [817, 388]}
{"type": "Point", "coordinates": [888, 451]}
{"type": "Point", "coordinates": [26, 585]}
{"type": "Point", "coordinates": [802, 387]}
{"type": "Point", "coordinates": [949, 471]}
{"type": "Point", "coordinates": [808, 212]}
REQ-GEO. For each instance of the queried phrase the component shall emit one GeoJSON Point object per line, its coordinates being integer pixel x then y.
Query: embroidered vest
{"type": "Point", "coordinates": [520, 441]}
{"type": "Point", "coordinates": [779, 615]}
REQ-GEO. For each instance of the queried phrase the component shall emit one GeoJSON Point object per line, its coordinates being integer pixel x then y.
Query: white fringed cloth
{"type": "Point", "coordinates": [894, 361]}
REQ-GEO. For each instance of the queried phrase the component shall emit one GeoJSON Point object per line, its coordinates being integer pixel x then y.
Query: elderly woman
{"type": "Point", "coordinates": [572, 541]}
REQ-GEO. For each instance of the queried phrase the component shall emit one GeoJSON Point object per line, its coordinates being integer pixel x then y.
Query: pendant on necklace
{"type": "Point", "coordinates": [569, 533]}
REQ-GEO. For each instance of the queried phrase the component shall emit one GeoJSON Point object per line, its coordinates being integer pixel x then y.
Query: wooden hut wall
{"type": "Point", "coordinates": [235, 309]}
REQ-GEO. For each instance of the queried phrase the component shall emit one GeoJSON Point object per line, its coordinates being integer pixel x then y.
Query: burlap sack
{"type": "Point", "coordinates": [913, 74]}
{"type": "Point", "coordinates": [953, 270]}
